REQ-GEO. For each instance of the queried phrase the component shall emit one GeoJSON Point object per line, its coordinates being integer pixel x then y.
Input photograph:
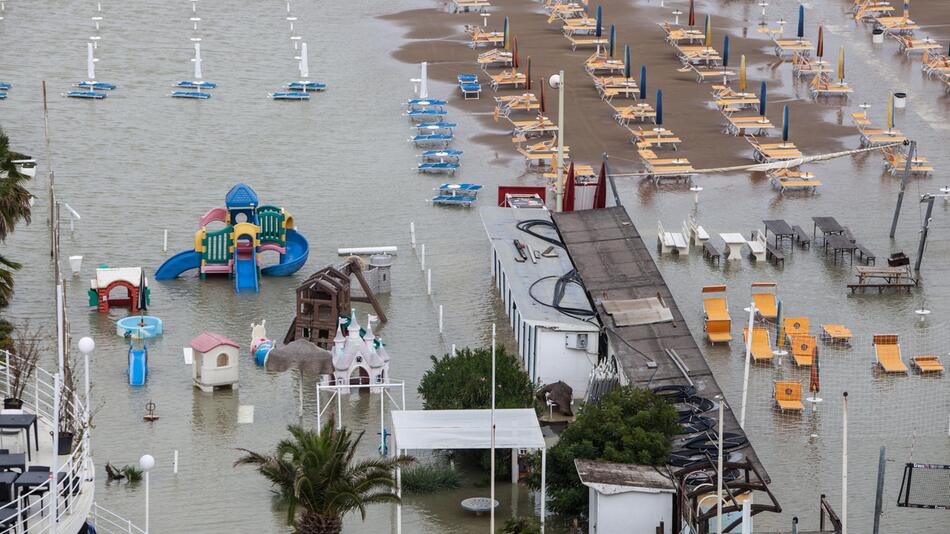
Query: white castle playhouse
{"type": "Point", "coordinates": [359, 357]}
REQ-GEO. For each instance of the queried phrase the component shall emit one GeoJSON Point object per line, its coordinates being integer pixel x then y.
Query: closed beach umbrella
{"type": "Point", "coordinates": [821, 42]}
{"type": "Point", "coordinates": [659, 107]}
{"type": "Point", "coordinates": [708, 32]}
{"type": "Point", "coordinates": [541, 95]}
{"type": "Point", "coordinates": [143, 292]}
{"type": "Point", "coordinates": [890, 111]}
{"type": "Point", "coordinates": [567, 204]}
{"type": "Point", "coordinates": [301, 355]}
{"type": "Point", "coordinates": [780, 335]}
{"type": "Point", "coordinates": [514, 53]}
{"type": "Point", "coordinates": [504, 39]}
{"type": "Point", "coordinates": [626, 61]}
{"type": "Point", "coordinates": [801, 21]}
{"type": "Point", "coordinates": [600, 193]}
{"type": "Point", "coordinates": [762, 99]}
{"type": "Point", "coordinates": [725, 51]}
{"type": "Point", "coordinates": [598, 30]}
{"type": "Point", "coordinates": [785, 124]}
{"type": "Point", "coordinates": [742, 78]}
{"type": "Point", "coordinates": [527, 75]}
{"type": "Point", "coordinates": [613, 35]}
{"type": "Point", "coordinates": [643, 82]}
{"type": "Point", "coordinates": [906, 8]}
{"type": "Point", "coordinates": [841, 64]}
{"type": "Point", "coordinates": [692, 13]}
{"type": "Point", "coordinates": [814, 385]}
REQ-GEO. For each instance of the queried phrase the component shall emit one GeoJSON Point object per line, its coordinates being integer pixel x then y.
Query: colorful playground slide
{"type": "Point", "coordinates": [245, 271]}
{"type": "Point", "coordinates": [298, 249]}
{"type": "Point", "coordinates": [138, 365]}
{"type": "Point", "coordinates": [177, 264]}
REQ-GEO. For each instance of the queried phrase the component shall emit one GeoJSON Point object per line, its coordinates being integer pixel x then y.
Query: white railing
{"type": "Point", "coordinates": [75, 490]}
{"type": "Point", "coordinates": [108, 522]}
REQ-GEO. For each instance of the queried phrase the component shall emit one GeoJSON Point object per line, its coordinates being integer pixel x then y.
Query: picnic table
{"type": "Point", "coordinates": [827, 225]}
{"type": "Point", "coordinates": [780, 229]}
{"type": "Point", "coordinates": [882, 278]}
{"type": "Point", "coordinates": [734, 243]}
{"type": "Point", "coordinates": [840, 245]}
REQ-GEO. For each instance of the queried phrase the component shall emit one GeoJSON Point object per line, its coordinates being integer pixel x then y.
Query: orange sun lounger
{"type": "Point", "coordinates": [795, 326]}
{"type": "Point", "coordinates": [836, 333]}
{"type": "Point", "coordinates": [927, 364]}
{"type": "Point", "coordinates": [803, 349]}
{"type": "Point", "coordinates": [761, 344]}
{"type": "Point", "coordinates": [766, 303]}
{"type": "Point", "coordinates": [788, 396]}
{"type": "Point", "coordinates": [888, 353]}
{"type": "Point", "coordinates": [717, 321]}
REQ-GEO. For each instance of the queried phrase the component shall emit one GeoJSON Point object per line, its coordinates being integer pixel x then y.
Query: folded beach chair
{"type": "Point", "coordinates": [761, 343]}
{"type": "Point", "coordinates": [765, 299]}
{"type": "Point", "coordinates": [789, 179]}
{"type": "Point", "coordinates": [803, 349]}
{"type": "Point", "coordinates": [836, 334]}
{"type": "Point", "coordinates": [716, 311]}
{"type": "Point", "coordinates": [895, 162]}
{"type": "Point", "coordinates": [927, 364]}
{"type": "Point", "coordinates": [888, 354]}
{"type": "Point", "coordinates": [788, 396]}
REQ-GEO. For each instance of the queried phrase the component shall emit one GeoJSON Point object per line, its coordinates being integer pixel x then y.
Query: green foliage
{"type": "Point", "coordinates": [521, 525]}
{"type": "Point", "coordinates": [132, 474]}
{"type": "Point", "coordinates": [430, 478]}
{"type": "Point", "coordinates": [630, 425]}
{"type": "Point", "coordinates": [463, 381]}
{"type": "Point", "coordinates": [14, 207]}
{"type": "Point", "coordinates": [318, 479]}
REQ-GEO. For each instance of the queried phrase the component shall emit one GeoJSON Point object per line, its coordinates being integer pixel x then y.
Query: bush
{"type": "Point", "coordinates": [463, 381]}
{"type": "Point", "coordinates": [630, 425]}
{"type": "Point", "coordinates": [521, 525]}
{"type": "Point", "coordinates": [430, 478]}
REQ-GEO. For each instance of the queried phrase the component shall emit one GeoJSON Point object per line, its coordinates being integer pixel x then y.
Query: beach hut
{"type": "Point", "coordinates": [215, 362]}
{"type": "Point", "coordinates": [627, 497]}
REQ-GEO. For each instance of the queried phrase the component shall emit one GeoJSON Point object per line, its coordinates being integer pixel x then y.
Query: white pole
{"type": "Point", "coordinates": [440, 319]}
{"type": "Point", "coordinates": [412, 234]}
{"type": "Point", "coordinates": [491, 502]}
{"type": "Point", "coordinates": [175, 463]}
{"type": "Point", "coordinates": [197, 62]}
{"type": "Point", "coordinates": [748, 362]}
{"type": "Point", "coordinates": [544, 487]}
{"type": "Point", "coordinates": [844, 465]}
{"type": "Point", "coordinates": [146, 502]}
{"type": "Point", "coordinates": [60, 328]}
{"type": "Point", "coordinates": [90, 63]}
{"type": "Point", "coordinates": [559, 190]}
{"type": "Point", "coordinates": [453, 349]}
{"type": "Point", "coordinates": [422, 256]}
{"type": "Point", "coordinates": [424, 81]}
{"type": "Point", "coordinates": [165, 241]}
{"type": "Point", "coordinates": [304, 64]}
{"type": "Point", "coordinates": [319, 410]}
{"type": "Point", "coordinates": [398, 493]}
{"type": "Point", "coordinates": [382, 421]}
{"type": "Point", "coordinates": [300, 396]}
{"type": "Point", "coordinates": [53, 481]}
{"type": "Point", "coordinates": [722, 404]}
{"type": "Point", "coordinates": [429, 282]}
{"type": "Point", "coordinates": [747, 516]}
{"type": "Point", "coordinates": [339, 410]}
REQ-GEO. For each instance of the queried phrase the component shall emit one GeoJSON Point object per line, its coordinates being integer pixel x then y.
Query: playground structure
{"type": "Point", "coordinates": [260, 344]}
{"type": "Point", "coordinates": [108, 279]}
{"type": "Point", "coordinates": [215, 362]}
{"type": "Point", "coordinates": [144, 326]}
{"type": "Point", "coordinates": [235, 249]}
{"type": "Point", "coordinates": [138, 361]}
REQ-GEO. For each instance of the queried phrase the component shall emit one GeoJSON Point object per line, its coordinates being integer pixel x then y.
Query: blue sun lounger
{"type": "Point", "coordinates": [290, 95]}
{"type": "Point", "coordinates": [469, 86]}
{"type": "Point", "coordinates": [196, 85]}
{"type": "Point", "coordinates": [433, 139]}
{"type": "Point", "coordinates": [86, 94]}
{"type": "Point", "coordinates": [4, 86]}
{"type": "Point", "coordinates": [431, 126]}
{"type": "Point", "coordinates": [426, 115]}
{"type": "Point", "coordinates": [425, 103]}
{"type": "Point", "coordinates": [450, 156]}
{"type": "Point", "coordinates": [95, 86]}
{"type": "Point", "coordinates": [194, 95]}
{"type": "Point", "coordinates": [453, 200]}
{"type": "Point", "coordinates": [461, 190]}
{"type": "Point", "coordinates": [2, 95]}
{"type": "Point", "coordinates": [441, 167]}
{"type": "Point", "coordinates": [306, 86]}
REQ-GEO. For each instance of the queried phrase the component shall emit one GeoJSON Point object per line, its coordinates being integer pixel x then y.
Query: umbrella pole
{"type": "Point", "coordinates": [300, 397]}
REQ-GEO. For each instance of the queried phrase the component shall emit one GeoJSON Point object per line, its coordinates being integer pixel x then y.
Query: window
{"type": "Point", "coordinates": [223, 359]}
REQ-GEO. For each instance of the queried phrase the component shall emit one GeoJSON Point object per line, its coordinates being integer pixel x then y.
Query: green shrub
{"type": "Point", "coordinates": [430, 478]}
{"type": "Point", "coordinates": [463, 381]}
{"type": "Point", "coordinates": [521, 525]}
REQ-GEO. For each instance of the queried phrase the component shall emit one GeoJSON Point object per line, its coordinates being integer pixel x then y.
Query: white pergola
{"type": "Point", "coordinates": [466, 429]}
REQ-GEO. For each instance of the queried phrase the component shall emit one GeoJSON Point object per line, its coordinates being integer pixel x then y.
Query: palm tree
{"type": "Point", "coordinates": [316, 477]}
{"type": "Point", "coordinates": [15, 203]}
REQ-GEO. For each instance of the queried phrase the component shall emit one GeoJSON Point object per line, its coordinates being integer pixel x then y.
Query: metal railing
{"type": "Point", "coordinates": [108, 522]}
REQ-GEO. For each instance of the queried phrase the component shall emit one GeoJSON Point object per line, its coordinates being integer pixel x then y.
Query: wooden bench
{"type": "Point", "coordinates": [775, 254]}
{"type": "Point", "coordinates": [710, 252]}
{"type": "Point", "coordinates": [865, 254]}
{"type": "Point", "coordinates": [801, 237]}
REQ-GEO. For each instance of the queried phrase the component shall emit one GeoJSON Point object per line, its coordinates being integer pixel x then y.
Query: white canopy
{"type": "Point", "coordinates": [466, 429]}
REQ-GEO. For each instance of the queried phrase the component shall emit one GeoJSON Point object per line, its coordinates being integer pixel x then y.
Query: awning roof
{"type": "Point", "coordinates": [466, 429]}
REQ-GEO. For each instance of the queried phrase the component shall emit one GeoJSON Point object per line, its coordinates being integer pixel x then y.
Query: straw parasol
{"type": "Point", "coordinates": [301, 355]}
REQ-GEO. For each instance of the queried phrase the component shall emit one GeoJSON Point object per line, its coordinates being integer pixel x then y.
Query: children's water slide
{"type": "Point", "coordinates": [138, 366]}
{"type": "Point", "coordinates": [245, 270]}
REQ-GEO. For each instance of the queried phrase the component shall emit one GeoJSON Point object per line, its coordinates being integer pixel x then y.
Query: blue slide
{"type": "Point", "coordinates": [177, 264]}
{"type": "Point", "coordinates": [138, 366]}
{"type": "Point", "coordinates": [245, 272]}
{"type": "Point", "coordinates": [298, 249]}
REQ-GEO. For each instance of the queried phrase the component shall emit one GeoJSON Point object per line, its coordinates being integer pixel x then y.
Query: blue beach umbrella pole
{"type": "Point", "coordinates": [785, 124]}
{"type": "Point", "coordinates": [659, 107]}
{"type": "Point", "coordinates": [801, 21]}
{"type": "Point", "coordinates": [612, 47]}
{"type": "Point", "coordinates": [599, 31]}
{"type": "Point", "coordinates": [643, 82]}
{"type": "Point", "coordinates": [725, 51]}
{"type": "Point", "coordinates": [762, 99]}
{"type": "Point", "coordinates": [626, 61]}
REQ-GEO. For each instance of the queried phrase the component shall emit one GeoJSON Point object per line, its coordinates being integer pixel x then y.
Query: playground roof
{"type": "Point", "coordinates": [466, 429]}
{"type": "Point", "coordinates": [107, 275]}
{"type": "Point", "coordinates": [209, 340]}
{"type": "Point", "coordinates": [241, 195]}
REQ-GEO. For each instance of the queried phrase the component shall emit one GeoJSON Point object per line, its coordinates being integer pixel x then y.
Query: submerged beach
{"type": "Point", "coordinates": [140, 163]}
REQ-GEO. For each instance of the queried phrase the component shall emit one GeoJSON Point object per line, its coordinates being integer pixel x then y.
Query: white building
{"type": "Point", "coordinates": [556, 340]}
{"type": "Point", "coordinates": [628, 498]}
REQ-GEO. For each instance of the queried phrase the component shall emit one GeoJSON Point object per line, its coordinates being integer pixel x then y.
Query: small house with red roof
{"type": "Point", "coordinates": [215, 362]}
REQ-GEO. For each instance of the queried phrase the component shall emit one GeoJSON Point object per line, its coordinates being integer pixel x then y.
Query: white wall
{"type": "Point", "coordinates": [630, 513]}
{"type": "Point", "coordinates": [554, 361]}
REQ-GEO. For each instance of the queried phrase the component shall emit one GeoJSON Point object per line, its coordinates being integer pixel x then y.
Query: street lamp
{"type": "Point", "coordinates": [86, 346]}
{"type": "Point", "coordinates": [557, 82]}
{"type": "Point", "coordinates": [146, 462]}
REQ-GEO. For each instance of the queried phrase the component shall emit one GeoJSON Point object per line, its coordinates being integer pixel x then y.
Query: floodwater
{"type": "Point", "coordinates": [140, 162]}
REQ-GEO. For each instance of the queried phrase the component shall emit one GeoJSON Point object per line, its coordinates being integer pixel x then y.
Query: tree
{"type": "Point", "coordinates": [14, 207]}
{"type": "Point", "coordinates": [630, 425]}
{"type": "Point", "coordinates": [463, 381]}
{"type": "Point", "coordinates": [317, 478]}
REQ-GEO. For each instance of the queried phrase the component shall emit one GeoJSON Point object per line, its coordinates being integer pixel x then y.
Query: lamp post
{"type": "Point", "coordinates": [86, 346]}
{"type": "Point", "coordinates": [146, 462]}
{"type": "Point", "coordinates": [557, 82]}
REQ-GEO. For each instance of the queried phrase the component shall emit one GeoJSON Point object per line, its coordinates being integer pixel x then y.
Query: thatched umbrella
{"type": "Point", "coordinates": [301, 355]}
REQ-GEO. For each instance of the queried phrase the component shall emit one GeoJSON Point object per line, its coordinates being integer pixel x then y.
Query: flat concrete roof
{"type": "Point", "coordinates": [501, 227]}
{"type": "Point", "coordinates": [628, 475]}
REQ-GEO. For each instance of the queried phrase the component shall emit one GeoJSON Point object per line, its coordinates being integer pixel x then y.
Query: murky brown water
{"type": "Point", "coordinates": [139, 162]}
